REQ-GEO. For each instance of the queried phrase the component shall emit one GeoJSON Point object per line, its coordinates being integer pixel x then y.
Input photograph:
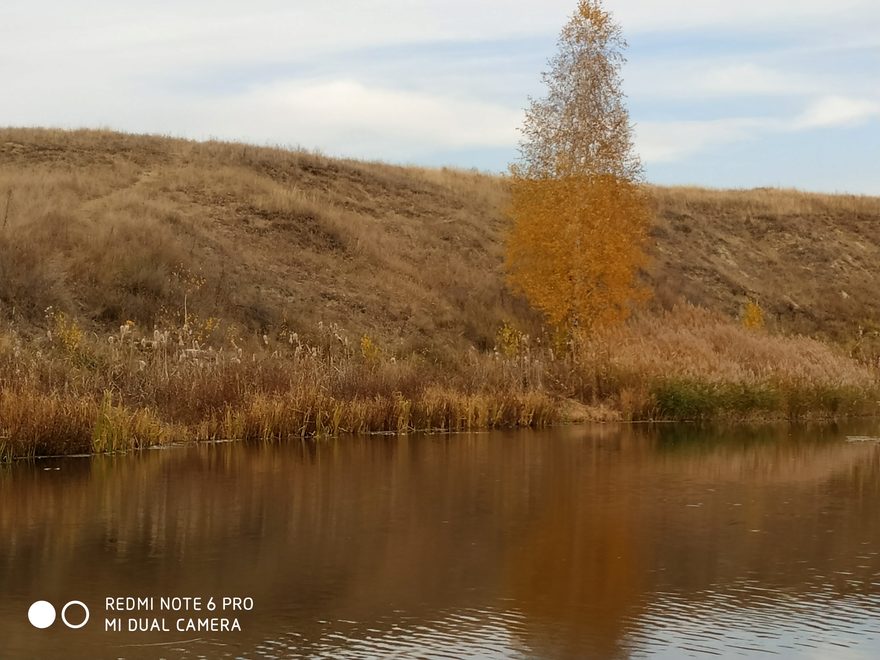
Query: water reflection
{"type": "Point", "coordinates": [605, 542]}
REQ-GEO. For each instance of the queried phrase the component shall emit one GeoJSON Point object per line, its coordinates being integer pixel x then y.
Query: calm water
{"type": "Point", "coordinates": [667, 542]}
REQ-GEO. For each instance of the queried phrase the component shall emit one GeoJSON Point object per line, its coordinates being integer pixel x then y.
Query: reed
{"type": "Point", "coordinates": [76, 392]}
{"type": "Point", "coordinates": [133, 389]}
{"type": "Point", "coordinates": [148, 294]}
{"type": "Point", "coordinates": [689, 363]}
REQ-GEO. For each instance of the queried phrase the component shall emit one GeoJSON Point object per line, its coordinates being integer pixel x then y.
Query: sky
{"type": "Point", "coordinates": [721, 93]}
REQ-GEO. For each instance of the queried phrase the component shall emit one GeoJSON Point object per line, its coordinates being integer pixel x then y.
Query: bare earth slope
{"type": "Point", "coordinates": [812, 261]}
{"type": "Point", "coordinates": [112, 227]}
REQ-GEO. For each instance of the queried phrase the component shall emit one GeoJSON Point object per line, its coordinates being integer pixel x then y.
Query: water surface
{"type": "Point", "coordinates": [606, 542]}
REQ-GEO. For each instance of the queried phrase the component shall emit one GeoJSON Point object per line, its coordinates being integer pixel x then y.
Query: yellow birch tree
{"type": "Point", "coordinates": [579, 215]}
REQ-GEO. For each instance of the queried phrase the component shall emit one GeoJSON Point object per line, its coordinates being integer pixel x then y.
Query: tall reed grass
{"type": "Point", "coordinates": [72, 392]}
{"type": "Point", "coordinates": [689, 363]}
{"type": "Point", "coordinates": [225, 266]}
{"type": "Point", "coordinates": [76, 392]}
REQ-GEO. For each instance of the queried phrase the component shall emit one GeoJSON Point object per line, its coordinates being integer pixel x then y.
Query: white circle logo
{"type": "Point", "coordinates": [64, 614]}
{"type": "Point", "coordinates": [42, 614]}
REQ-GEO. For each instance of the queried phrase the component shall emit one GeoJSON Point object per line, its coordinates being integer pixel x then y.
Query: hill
{"type": "Point", "coordinates": [112, 227]}
{"type": "Point", "coordinates": [811, 261]}
{"type": "Point", "coordinates": [155, 290]}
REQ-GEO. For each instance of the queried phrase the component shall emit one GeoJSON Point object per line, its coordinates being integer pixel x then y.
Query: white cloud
{"type": "Point", "coordinates": [716, 78]}
{"type": "Point", "coordinates": [254, 71]}
{"type": "Point", "coordinates": [744, 15]}
{"type": "Point", "coordinates": [228, 30]}
{"type": "Point", "coordinates": [837, 111]}
{"type": "Point", "coordinates": [747, 78]}
{"type": "Point", "coordinates": [342, 117]}
{"type": "Point", "coordinates": [220, 30]}
{"type": "Point", "coordinates": [671, 141]}
{"type": "Point", "coordinates": [347, 117]}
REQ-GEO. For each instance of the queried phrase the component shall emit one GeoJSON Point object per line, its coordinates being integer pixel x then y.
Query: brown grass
{"type": "Point", "coordinates": [689, 363]}
{"type": "Point", "coordinates": [99, 222]}
{"type": "Point", "coordinates": [73, 392]}
{"type": "Point", "coordinates": [811, 261]}
{"type": "Point", "coordinates": [247, 277]}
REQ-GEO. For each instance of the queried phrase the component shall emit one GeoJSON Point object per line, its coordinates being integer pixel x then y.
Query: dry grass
{"type": "Point", "coordinates": [812, 261]}
{"type": "Point", "coordinates": [249, 276]}
{"type": "Point", "coordinates": [689, 363]}
{"type": "Point", "coordinates": [98, 222]}
{"type": "Point", "coordinates": [135, 389]}
{"type": "Point", "coordinates": [132, 389]}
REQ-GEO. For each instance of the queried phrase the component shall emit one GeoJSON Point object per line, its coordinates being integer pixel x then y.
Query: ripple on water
{"type": "Point", "coordinates": [462, 634]}
{"type": "Point", "coordinates": [752, 620]}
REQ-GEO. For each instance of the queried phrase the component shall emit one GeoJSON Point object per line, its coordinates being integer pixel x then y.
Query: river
{"type": "Point", "coordinates": [583, 542]}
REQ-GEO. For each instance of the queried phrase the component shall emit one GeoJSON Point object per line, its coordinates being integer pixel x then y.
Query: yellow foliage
{"type": "Point", "coordinates": [753, 316]}
{"type": "Point", "coordinates": [189, 280]}
{"type": "Point", "coordinates": [369, 350]}
{"type": "Point", "coordinates": [203, 329]}
{"type": "Point", "coordinates": [580, 218]}
{"type": "Point", "coordinates": [575, 248]}
{"type": "Point", "coordinates": [509, 341]}
{"type": "Point", "coordinates": [64, 330]}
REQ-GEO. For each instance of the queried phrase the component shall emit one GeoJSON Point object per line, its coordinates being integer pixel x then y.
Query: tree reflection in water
{"type": "Point", "coordinates": [596, 542]}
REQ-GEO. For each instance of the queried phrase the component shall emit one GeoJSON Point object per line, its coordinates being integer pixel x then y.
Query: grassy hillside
{"type": "Point", "coordinates": [113, 227]}
{"type": "Point", "coordinates": [812, 261]}
{"type": "Point", "coordinates": [154, 290]}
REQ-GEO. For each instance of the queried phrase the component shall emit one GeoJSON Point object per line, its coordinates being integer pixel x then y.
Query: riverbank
{"type": "Point", "coordinates": [631, 506]}
{"type": "Point", "coordinates": [109, 227]}
{"type": "Point", "coordinates": [71, 391]}
{"type": "Point", "coordinates": [155, 290]}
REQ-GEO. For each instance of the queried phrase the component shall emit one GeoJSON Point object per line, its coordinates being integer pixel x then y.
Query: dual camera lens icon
{"type": "Point", "coordinates": [42, 614]}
